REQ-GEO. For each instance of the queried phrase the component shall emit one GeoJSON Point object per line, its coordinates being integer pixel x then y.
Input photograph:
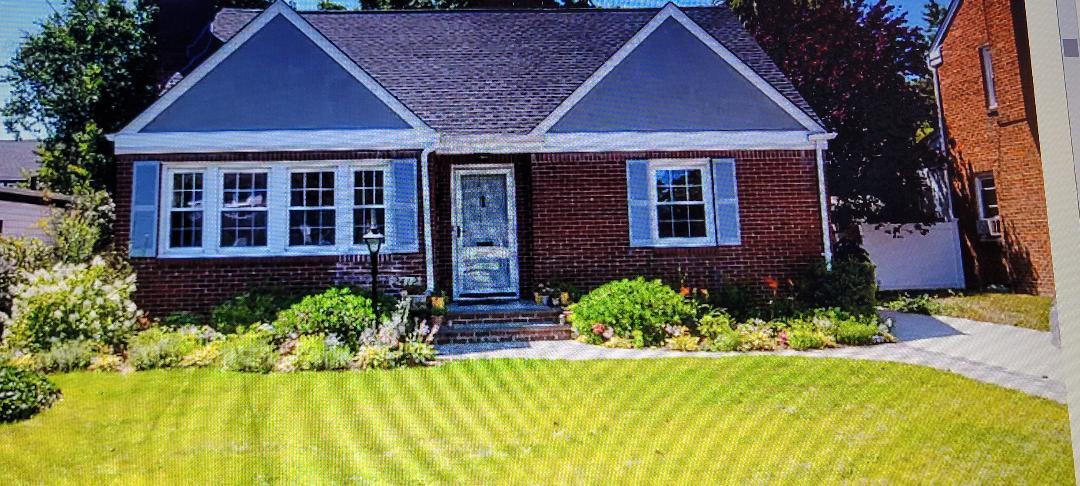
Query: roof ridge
{"type": "Point", "coordinates": [481, 10]}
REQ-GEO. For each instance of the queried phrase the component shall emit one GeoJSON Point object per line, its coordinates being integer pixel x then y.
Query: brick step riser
{"type": "Point", "coordinates": [451, 336]}
{"type": "Point", "coordinates": [503, 320]}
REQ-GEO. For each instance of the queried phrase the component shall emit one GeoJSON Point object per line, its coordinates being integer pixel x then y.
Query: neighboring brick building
{"type": "Point", "coordinates": [986, 99]}
{"type": "Point", "coordinates": [496, 150]}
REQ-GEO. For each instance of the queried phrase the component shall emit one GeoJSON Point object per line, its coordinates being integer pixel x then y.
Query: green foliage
{"type": "Point", "coordinates": [417, 353]}
{"type": "Point", "coordinates": [336, 311]}
{"type": "Point", "coordinates": [735, 299]}
{"type": "Point", "coordinates": [619, 342]}
{"type": "Point", "coordinates": [241, 312]}
{"type": "Point", "coordinates": [72, 301]}
{"type": "Point", "coordinates": [24, 393]}
{"type": "Point", "coordinates": [314, 352]}
{"type": "Point", "coordinates": [723, 343]}
{"type": "Point", "coordinates": [756, 336]}
{"type": "Point", "coordinates": [68, 356]}
{"type": "Point", "coordinates": [851, 285]}
{"type": "Point", "coordinates": [177, 320]}
{"type": "Point", "coordinates": [105, 362]}
{"type": "Point", "coordinates": [377, 357]}
{"type": "Point", "coordinates": [805, 337]}
{"type": "Point", "coordinates": [251, 352]}
{"type": "Point", "coordinates": [919, 304]}
{"type": "Point", "coordinates": [87, 71]}
{"type": "Point", "coordinates": [851, 329]}
{"type": "Point", "coordinates": [157, 348]}
{"type": "Point", "coordinates": [625, 306]}
{"type": "Point", "coordinates": [715, 323]}
{"type": "Point", "coordinates": [682, 340]}
{"type": "Point", "coordinates": [203, 356]}
{"type": "Point", "coordinates": [328, 5]}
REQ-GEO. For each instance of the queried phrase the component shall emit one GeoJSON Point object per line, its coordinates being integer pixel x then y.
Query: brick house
{"type": "Point", "coordinates": [495, 150]}
{"type": "Point", "coordinates": [988, 124]}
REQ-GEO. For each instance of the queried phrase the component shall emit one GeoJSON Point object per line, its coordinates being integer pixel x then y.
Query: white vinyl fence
{"type": "Point", "coordinates": [914, 260]}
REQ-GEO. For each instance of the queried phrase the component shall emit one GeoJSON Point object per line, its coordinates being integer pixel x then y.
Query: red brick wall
{"type": "Point", "coordinates": [1004, 142]}
{"type": "Point", "coordinates": [191, 284]}
{"type": "Point", "coordinates": [580, 229]}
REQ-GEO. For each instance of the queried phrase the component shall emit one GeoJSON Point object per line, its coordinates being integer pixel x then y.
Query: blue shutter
{"type": "Point", "coordinates": [403, 208]}
{"type": "Point", "coordinates": [726, 202]}
{"type": "Point", "coordinates": [639, 205]}
{"type": "Point", "coordinates": [144, 205]}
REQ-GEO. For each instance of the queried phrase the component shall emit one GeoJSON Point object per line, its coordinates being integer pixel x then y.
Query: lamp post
{"type": "Point", "coordinates": [374, 240]}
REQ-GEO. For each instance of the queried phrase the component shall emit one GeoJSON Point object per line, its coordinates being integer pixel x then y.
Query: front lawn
{"type": "Point", "coordinates": [737, 419]}
{"type": "Point", "coordinates": [1021, 310]}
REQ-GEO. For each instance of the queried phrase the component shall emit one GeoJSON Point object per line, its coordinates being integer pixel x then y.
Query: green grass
{"type": "Point", "coordinates": [759, 419]}
{"type": "Point", "coordinates": [1030, 311]}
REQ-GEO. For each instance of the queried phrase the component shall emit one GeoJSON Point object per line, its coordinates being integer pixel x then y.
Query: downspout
{"type": "Point", "coordinates": [821, 142]}
{"type": "Point", "coordinates": [429, 247]}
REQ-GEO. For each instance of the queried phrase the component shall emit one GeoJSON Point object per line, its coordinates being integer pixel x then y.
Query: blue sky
{"type": "Point", "coordinates": [20, 16]}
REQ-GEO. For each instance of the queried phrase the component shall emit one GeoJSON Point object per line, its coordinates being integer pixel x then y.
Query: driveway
{"type": "Point", "coordinates": [1012, 357]}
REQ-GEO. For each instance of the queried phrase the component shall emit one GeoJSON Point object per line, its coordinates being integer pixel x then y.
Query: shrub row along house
{"type": "Point", "coordinates": [496, 149]}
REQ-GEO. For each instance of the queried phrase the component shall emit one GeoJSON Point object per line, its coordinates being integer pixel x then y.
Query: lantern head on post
{"type": "Point", "coordinates": [374, 241]}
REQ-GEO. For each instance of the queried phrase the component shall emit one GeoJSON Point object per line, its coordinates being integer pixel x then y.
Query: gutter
{"type": "Point", "coordinates": [429, 251]}
{"type": "Point", "coordinates": [821, 143]}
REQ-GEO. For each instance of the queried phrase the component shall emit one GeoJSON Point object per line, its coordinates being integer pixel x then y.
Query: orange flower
{"type": "Point", "coordinates": [772, 283]}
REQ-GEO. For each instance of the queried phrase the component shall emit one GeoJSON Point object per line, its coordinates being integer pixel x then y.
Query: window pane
{"type": "Point", "coordinates": [309, 227]}
{"type": "Point", "coordinates": [243, 228]}
{"type": "Point", "coordinates": [187, 190]}
{"type": "Point", "coordinates": [363, 218]}
{"type": "Point", "coordinates": [244, 190]}
{"type": "Point", "coordinates": [988, 194]}
{"type": "Point", "coordinates": [185, 229]}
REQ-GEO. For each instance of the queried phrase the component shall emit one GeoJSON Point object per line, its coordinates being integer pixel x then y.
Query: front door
{"type": "Point", "coordinates": [485, 233]}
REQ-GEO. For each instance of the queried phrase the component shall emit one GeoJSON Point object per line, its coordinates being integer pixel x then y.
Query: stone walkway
{"type": "Point", "coordinates": [1021, 359]}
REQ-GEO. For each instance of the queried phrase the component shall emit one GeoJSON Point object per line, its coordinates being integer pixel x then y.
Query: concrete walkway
{"type": "Point", "coordinates": [1021, 359]}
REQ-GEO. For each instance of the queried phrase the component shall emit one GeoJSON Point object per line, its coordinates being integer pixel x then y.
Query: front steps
{"type": "Point", "coordinates": [492, 323]}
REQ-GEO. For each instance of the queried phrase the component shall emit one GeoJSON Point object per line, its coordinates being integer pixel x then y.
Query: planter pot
{"type": "Point", "coordinates": [546, 300]}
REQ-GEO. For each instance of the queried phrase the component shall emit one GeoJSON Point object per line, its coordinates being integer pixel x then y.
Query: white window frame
{"type": "Point", "coordinates": [707, 199]}
{"type": "Point", "coordinates": [278, 187]}
{"type": "Point", "coordinates": [352, 197]}
{"type": "Point", "coordinates": [989, 81]}
{"type": "Point", "coordinates": [165, 217]}
{"type": "Point", "coordinates": [220, 206]}
{"type": "Point", "coordinates": [980, 181]}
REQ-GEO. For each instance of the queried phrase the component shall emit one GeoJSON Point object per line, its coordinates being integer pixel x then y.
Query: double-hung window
{"type": "Point", "coordinates": [244, 209]}
{"type": "Point", "coordinates": [186, 210]}
{"type": "Point", "coordinates": [989, 82]}
{"type": "Point", "coordinates": [989, 225]}
{"type": "Point", "coordinates": [312, 213]}
{"type": "Point", "coordinates": [682, 202]}
{"type": "Point", "coordinates": [369, 206]}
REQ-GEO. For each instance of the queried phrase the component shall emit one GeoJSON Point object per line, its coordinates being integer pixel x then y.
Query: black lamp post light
{"type": "Point", "coordinates": [374, 241]}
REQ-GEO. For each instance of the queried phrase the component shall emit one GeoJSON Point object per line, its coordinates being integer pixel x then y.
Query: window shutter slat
{"type": "Point", "coordinates": [402, 211]}
{"type": "Point", "coordinates": [637, 195]}
{"type": "Point", "coordinates": [726, 201]}
{"type": "Point", "coordinates": [144, 205]}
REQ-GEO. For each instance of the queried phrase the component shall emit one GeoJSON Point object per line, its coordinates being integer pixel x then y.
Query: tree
{"type": "Point", "coordinates": [934, 15]}
{"type": "Point", "coordinates": [329, 5]}
{"type": "Point", "coordinates": [89, 71]}
{"type": "Point", "coordinates": [858, 67]}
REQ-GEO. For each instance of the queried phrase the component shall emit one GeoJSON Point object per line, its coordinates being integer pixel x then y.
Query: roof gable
{"type": "Point", "coordinates": [672, 81]}
{"type": "Point", "coordinates": [470, 72]}
{"type": "Point", "coordinates": [278, 73]}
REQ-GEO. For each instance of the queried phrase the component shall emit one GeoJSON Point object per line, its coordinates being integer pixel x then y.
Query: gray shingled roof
{"type": "Point", "coordinates": [17, 156]}
{"type": "Point", "coordinates": [483, 71]}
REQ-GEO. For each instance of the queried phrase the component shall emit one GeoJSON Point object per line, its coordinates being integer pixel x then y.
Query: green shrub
{"type": "Point", "coordinates": [177, 320]}
{"type": "Point", "coordinates": [337, 311]}
{"type": "Point", "coordinates": [854, 332]}
{"type": "Point", "coordinates": [618, 342]}
{"type": "Point", "coordinates": [250, 352]}
{"type": "Point", "coordinates": [241, 312]}
{"type": "Point", "coordinates": [626, 306]}
{"type": "Point", "coordinates": [106, 362]}
{"type": "Point", "coordinates": [203, 356]}
{"type": "Point", "coordinates": [715, 323]}
{"type": "Point", "coordinates": [723, 343]}
{"type": "Point", "coordinates": [377, 357]}
{"type": "Point", "coordinates": [316, 352]}
{"type": "Point", "coordinates": [756, 335]}
{"type": "Point", "coordinates": [417, 353]}
{"type": "Point", "coordinates": [920, 304]}
{"type": "Point", "coordinates": [67, 356]}
{"type": "Point", "coordinates": [851, 286]}
{"type": "Point", "coordinates": [72, 302]}
{"type": "Point", "coordinates": [805, 337]}
{"type": "Point", "coordinates": [24, 393]}
{"type": "Point", "coordinates": [735, 299]}
{"type": "Point", "coordinates": [682, 340]}
{"type": "Point", "coordinates": [157, 348]}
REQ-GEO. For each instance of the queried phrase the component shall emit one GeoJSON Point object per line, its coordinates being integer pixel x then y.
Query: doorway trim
{"type": "Point", "coordinates": [455, 220]}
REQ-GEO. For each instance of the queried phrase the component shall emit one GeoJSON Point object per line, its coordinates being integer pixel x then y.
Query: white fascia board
{"type": "Point", "coordinates": [628, 142]}
{"type": "Point", "coordinates": [672, 11]}
{"type": "Point", "coordinates": [272, 140]}
{"type": "Point", "coordinates": [934, 56]}
{"type": "Point", "coordinates": [278, 8]}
